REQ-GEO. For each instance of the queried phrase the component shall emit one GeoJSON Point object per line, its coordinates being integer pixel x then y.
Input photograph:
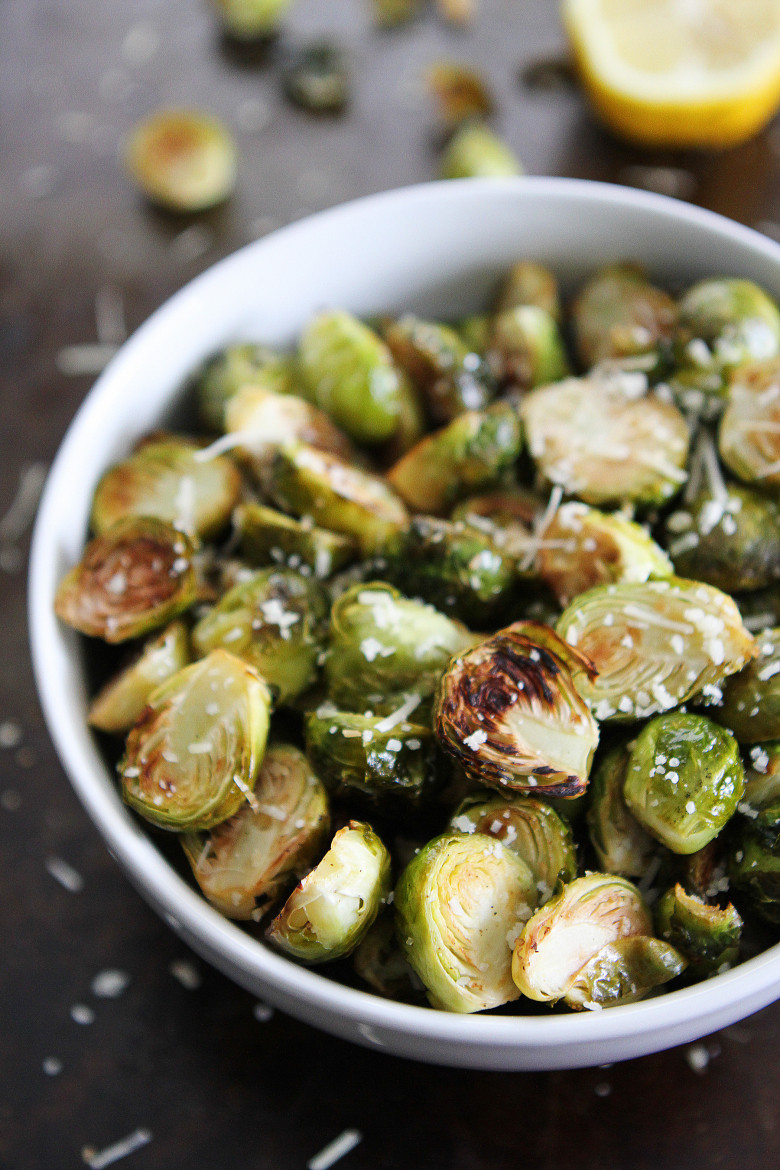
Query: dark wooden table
{"type": "Point", "coordinates": [181, 1055]}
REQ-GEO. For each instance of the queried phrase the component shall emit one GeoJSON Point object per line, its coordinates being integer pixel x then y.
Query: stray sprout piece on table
{"type": "Point", "coordinates": [183, 160]}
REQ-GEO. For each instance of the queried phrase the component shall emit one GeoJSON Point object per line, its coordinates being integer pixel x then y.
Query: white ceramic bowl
{"type": "Point", "coordinates": [435, 249]}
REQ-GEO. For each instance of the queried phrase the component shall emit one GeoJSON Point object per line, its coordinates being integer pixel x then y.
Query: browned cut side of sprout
{"type": "Point", "coordinates": [460, 91]}
{"type": "Point", "coordinates": [749, 435]}
{"type": "Point", "coordinates": [120, 703]}
{"type": "Point", "coordinates": [182, 159]}
{"type": "Point", "coordinates": [261, 420]}
{"type": "Point", "coordinates": [618, 313]}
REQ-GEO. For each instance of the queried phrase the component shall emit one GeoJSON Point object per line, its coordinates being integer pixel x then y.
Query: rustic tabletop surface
{"type": "Point", "coordinates": [165, 1063]}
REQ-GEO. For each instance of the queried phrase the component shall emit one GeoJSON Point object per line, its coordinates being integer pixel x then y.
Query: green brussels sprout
{"type": "Point", "coordinates": [750, 706]}
{"type": "Point", "coordinates": [193, 757]}
{"type": "Point", "coordinates": [749, 432]}
{"type": "Point", "coordinates": [526, 348]}
{"type": "Point", "coordinates": [131, 580]}
{"type": "Point", "coordinates": [380, 962]}
{"type": "Point", "coordinates": [460, 92]}
{"type": "Point", "coordinates": [605, 440]}
{"type": "Point", "coordinates": [331, 910]}
{"type": "Point", "coordinates": [318, 79]}
{"type": "Point", "coordinates": [475, 152]}
{"type": "Point", "coordinates": [469, 454]}
{"type": "Point", "coordinates": [275, 620]}
{"type": "Point", "coordinates": [707, 936]}
{"type": "Point", "coordinates": [348, 371]}
{"type": "Point", "coordinates": [384, 646]}
{"type": "Point", "coordinates": [530, 828]}
{"type": "Point", "coordinates": [761, 799]}
{"type": "Point", "coordinates": [529, 283]}
{"type": "Point", "coordinates": [359, 755]}
{"type": "Point", "coordinates": [243, 864]}
{"type": "Point", "coordinates": [258, 421]}
{"type": "Point", "coordinates": [620, 843]}
{"type": "Point", "coordinates": [618, 313]}
{"type": "Point", "coordinates": [165, 478]}
{"type": "Point", "coordinates": [390, 13]}
{"type": "Point", "coordinates": [336, 495]}
{"type": "Point", "coordinates": [120, 703]}
{"type": "Point", "coordinates": [510, 714]}
{"type": "Point", "coordinates": [251, 20]}
{"type": "Point", "coordinates": [234, 367]}
{"type": "Point", "coordinates": [684, 780]}
{"type": "Point", "coordinates": [475, 331]}
{"type": "Point", "coordinates": [451, 377]}
{"type": "Point", "coordinates": [508, 519]}
{"type": "Point", "coordinates": [583, 548]}
{"type": "Point", "coordinates": [570, 930]}
{"type": "Point", "coordinates": [182, 160]}
{"type": "Point", "coordinates": [270, 537]}
{"type": "Point", "coordinates": [654, 644]}
{"type": "Point", "coordinates": [459, 904]}
{"type": "Point", "coordinates": [624, 972]}
{"type": "Point", "coordinates": [754, 869]}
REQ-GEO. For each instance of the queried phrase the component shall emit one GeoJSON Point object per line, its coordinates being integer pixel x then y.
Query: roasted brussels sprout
{"type": "Point", "coordinates": [459, 904]}
{"type": "Point", "coordinates": [526, 348]}
{"type": "Point", "coordinates": [749, 433]}
{"type": "Point", "coordinates": [259, 420]}
{"type": "Point", "coordinates": [623, 972]}
{"type": "Point", "coordinates": [707, 936]}
{"type": "Point", "coordinates": [330, 911]}
{"type": "Point", "coordinates": [507, 518]}
{"type": "Point", "coordinates": [510, 714]}
{"type": "Point", "coordinates": [243, 864]}
{"type": "Point", "coordinates": [529, 283]}
{"type": "Point", "coordinates": [754, 869]}
{"type": "Point", "coordinates": [761, 800]}
{"type": "Point", "coordinates": [618, 313]}
{"type": "Point", "coordinates": [120, 703]}
{"type": "Point", "coordinates": [451, 377]}
{"type": "Point", "coordinates": [251, 20]}
{"type": "Point", "coordinates": [318, 79]}
{"type": "Point", "coordinates": [654, 645]}
{"type": "Point", "coordinates": [460, 92]}
{"type": "Point", "coordinates": [234, 367]}
{"type": "Point", "coordinates": [620, 843]}
{"type": "Point", "coordinates": [475, 152]}
{"type": "Point", "coordinates": [193, 757]}
{"type": "Point", "coordinates": [684, 780]}
{"type": "Point", "coordinates": [183, 160]}
{"type": "Point", "coordinates": [389, 13]}
{"type": "Point", "coordinates": [750, 706]}
{"type": "Point", "coordinates": [276, 620]}
{"type": "Point", "coordinates": [132, 579]}
{"type": "Point", "coordinates": [269, 537]}
{"type": "Point", "coordinates": [380, 962]}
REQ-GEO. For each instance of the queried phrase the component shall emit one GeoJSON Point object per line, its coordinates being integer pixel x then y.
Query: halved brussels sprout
{"type": "Point", "coordinates": [120, 703]}
{"type": "Point", "coordinates": [707, 936]}
{"type": "Point", "coordinates": [263, 420]}
{"type": "Point", "coordinates": [655, 644]}
{"type": "Point", "coordinates": [380, 962]}
{"type": "Point", "coordinates": [459, 905]}
{"type": "Point", "coordinates": [620, 843]}
{"type": "Point", "coordinates": [276, 620]}
{"type": "Point", "coordinates": [530, 828]}
{"type": "Point", "coordinates": [318, 79]}
{"type": "Point", "coordinates": [761, 799]}
{"type": "Point", "coordinates": [193, 757]}
{"type": "Point", "coordinates": [236, 366]}
{"type": "Point", "coordinates": [250, 20]}
{"type": "Point", "coordinates": [243, 864]}
{"type": "Point", "coordinates": [750, 707]}
{"type": "Point", "coordinates": [606, 440]}
{"type": "Point", "coordinates": [384, 646]}
{"type": "Point", "coordinates": [475, 152]}
{"type": "Point", "coordinates": [583, 548]}
{"type": "Point", "coordinates": [184, 160]}
{"type": "Point", "coordinates": [132, 579]}
{"type": "Point", "coordinates": [270, 537]}
{"type": "Point", "coordinates": [460, 91]}
{"type": "Point", "coordinates": [570, 930]}
{"type": "Point", "coordinates": [684, 780]}
{"type": "Point", "coordinates": [618, 313]}
{"type": "Point", "coordinates": [164, 478]}
{"type": "Point", "coordinates": [508, 518]}
{"type": "Point", "coordinates": [749, 433]}
{"type": "Point", "coordinates": [526, 348]}
{"type": "Point", "coordinates": [529, 283]}
{"type": "Point", "coordinates": [336, 495]}
{"type": "Point", "coordinates": [754, 868]}
{"type": "Point", "coordinates": [623, 972]}
{"type": "Point", "coordinates": [330, 911]}
{"type": "Point", "coordinates": [509, 712]}
{"type": "Point", "coordinates": [469, 454]}
{"type": "Point", "coordinates": [451, 377]}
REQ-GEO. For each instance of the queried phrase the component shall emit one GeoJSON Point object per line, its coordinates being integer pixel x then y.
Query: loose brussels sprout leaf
{"type": "Point", "coordinates": [261, 420]}
{"type": "Point", "coordinates": [270, 537]}
{"type": "Point", "coordinates": [384, 646]}
{"type": "Point", "coordinates": [390, 768]}
{"type": "Point", "coordinates": [348, 371]}
{"type": "Point", "coordinates": [529, 283]}
{"type": "Point", "coordinates": [565, 934]}
{"type": "Point", "coordinates": [750, 707]}
{"type": "Point", "coordinates": [583, 548]}
{"type": "Point", "coordinates": [655, 645]}
{"type": "Point", "coordinates": [749, 433]}
{"type": "Point", "coordinates": [606, 440]}
{"type": "Point", "coordinates": [331, 910]}
{"type": "Point", "coordinates": [684, 780]}
{"type": "Point", "coordinates": [132, 579]}
{"type": "Point", "coordinates": [624, 972]}
{"type": "Point", "coordinates": [526, 348]}
{"type": "Point", "coordinates": [469, 454]}
{"type": "Point", "coordinates": [276, 621]}
{"type": "Point", "coordinates": [707, 936]}
{"type": "Point", "coordinates": [243, 864]}
{"type": "Point", "coordinates": [165, 478]}
{"type": "Point", "coordinates": [230, 370]}
{"type": "Point", "coordinates": [120, 703]}
{"type": "Point", "coordinates": [451, 377]}
{"type": "Point", "coordinates": [619, 841]}
{"type": "Point", "coordinates": [619, 313]}
{"type": "Point", "coordinates": [510, 714]}
{"type": "Point", "coordinates": [183, 160]}
{"type": "Point", "coordinates": [460, 92]}
{"type": "Point", "coordinates": [381, 963]}
{"type": "Point", "coordinates": [530, 828]}
{"type": "Point", "coordinates": [761, 800]}
{"type": "Point", "coordinates": [250, 20]}
{"type": "Point", "coordinates": [318, 79]}
{"type": "Point", "coordinates": [336, 495]}
{"type": "Point", "coordinates": [475, 152]}
{"type": "Point", "coordinates": [754, 868]}
{"type": "Point", "coordinates": [459, 905]}
{"type": "Point", "coordinates": [193, 757]}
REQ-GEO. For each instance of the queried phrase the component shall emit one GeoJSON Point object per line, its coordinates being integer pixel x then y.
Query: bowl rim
{"type": "Point", "coordinates": [756, 982]}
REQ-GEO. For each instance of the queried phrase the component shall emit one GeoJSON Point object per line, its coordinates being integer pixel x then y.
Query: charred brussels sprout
{"type": "Point", "coordinates": [707, 936]}
{"type": "Point", "coordinates": [475, 152]}
{"type": "Point", "coordinates": [276, 621]}
{"type": "Point", "coordinates": [684, 780]}
{"type": "Point", "coordinates": [230, 370]}
{"type": "Point", "coordinates": [509, 712]}
{"type": "Point", "coordinates": [318, 79]}
{"type": "Point", "coordinates": [620, 843]}
{"type": "Point", "coordinates": [132, 579]}
{"type": "Point", "coordinates": [260, 420]}
{"type": "Point", "coordinates": [526, 348]}
{"type": "Point", "coordinates": [121, 702]}
{"type": "Point", "coordinates": [529, 283]}
{"type": "Point", "coordinates": [165, 478]}
{"type": "Point", "coordinates": [754, 869]}
{"type": "Point", "coordinates": [330, 911]}
{"type": "Point", "coordinates": [618, 314]}
{"type": "Point", "coordinates": [269, 537]}
{"type": "Point", "coordinates": [451, 377]}
{"type": "Point", "coordinates": [183, 160]}
{"type": "Point", "coordinates": [655, 645]}
{"type": "Point", "coordinates": [751, 699]}
{"type": "Point", "coordinates": [243, 864]}
{"type": "Point", "coordinates": [251, 20]}
{"type": "Point", "coordinates": [193, 757]}
{"type": "Point", "coordinates": [459, 904]}
{"type": "Point", "coordinates": [623, 972]}
{"type": "Point", "coordinates": [749, 434]}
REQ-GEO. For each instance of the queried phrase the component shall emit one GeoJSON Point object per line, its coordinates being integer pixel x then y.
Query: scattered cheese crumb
{"type": "Point", "coordinates": [335, 1150]}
